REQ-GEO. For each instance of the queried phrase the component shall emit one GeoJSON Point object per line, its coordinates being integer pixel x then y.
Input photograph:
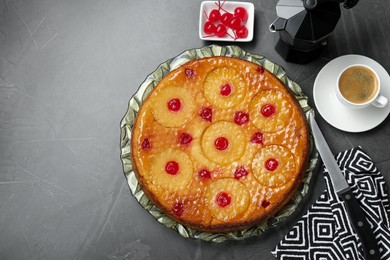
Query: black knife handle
{"type": "Point", "coordinates": [360, 224]}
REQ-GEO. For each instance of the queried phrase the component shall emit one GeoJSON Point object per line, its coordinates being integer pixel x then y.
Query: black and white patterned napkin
{"type": "Point", "coordinates": [325, 231]}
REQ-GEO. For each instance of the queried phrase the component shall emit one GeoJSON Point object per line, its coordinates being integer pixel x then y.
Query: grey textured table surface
{"type": "Point", "coordinates": [67, 71]}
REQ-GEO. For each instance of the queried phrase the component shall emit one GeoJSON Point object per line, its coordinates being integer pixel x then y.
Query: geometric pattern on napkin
{"type": "Point", "coordinates": [325, 232]}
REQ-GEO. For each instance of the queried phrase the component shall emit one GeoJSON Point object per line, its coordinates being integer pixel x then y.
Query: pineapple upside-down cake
{"type": "Point", "coordinates": [220, 144]}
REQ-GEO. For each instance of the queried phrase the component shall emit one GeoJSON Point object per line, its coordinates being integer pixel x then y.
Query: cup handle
{"type": "Point", "coordinates": [380, 101]}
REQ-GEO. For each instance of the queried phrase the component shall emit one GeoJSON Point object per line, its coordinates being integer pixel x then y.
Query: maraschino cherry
{"type": "Point", "coordinates": [185, 138]}
{"type": "Point", "coordinates": [146, 144]}
{"type": "Point", "coordinates": [240, 172]}
{"type": "Point", "coordinates": [265, 203]}
{"type": "Point", "coordinates": [226, 19]}
{"type": "Point", "coordinates": [268, 110]}
{"type": "Point", "coordinates": [204, 174]}
{"type": "Point", "coordinates": [190, 73]}
{"type": "Point", "coordinates": [207, 114]}
{"type": "Point", "coordinates": [223, 199]}
{"type": "Point", "coordinates": [178, 209]}
{"type": "Point", "coordinates": [172, 167]}
{"type": "Point", "coordinates": [214, 16]}
{"type": "Point", "coordinates": [221, 143]}
{"type": "Point", "coordinates": [174, 104]}
{"type": "Point", "coordinates": [242, 32]}
{"type": "Point", "coordinates": [226, 89]}
{"type": "Point", "coordinates": [257, 138]}
{"type": "Point", "coordinates": [241, 13]}
{"type": "Point", "coordinates": [271, 164]}
{"type": "Point", "coordinates": [241, 118]}
{"type": "Point", "coordinates": [260, 69]}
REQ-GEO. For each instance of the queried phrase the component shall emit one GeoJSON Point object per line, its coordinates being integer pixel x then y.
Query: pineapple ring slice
{"type": "Point", "coordinates": [275, 120]}
{"type": "Point", "coordinates": [274, 166]}
{"type": "Point", "coordinates": [232, 138]}
{"type": "Point", "coordinates": [171, 182]}
{"type": "Point", "coordinates": [231, 95]}
{"type": "Point", "coordinates": [168, 117]}
{"type": "Point", "coordinates": [227, 199]}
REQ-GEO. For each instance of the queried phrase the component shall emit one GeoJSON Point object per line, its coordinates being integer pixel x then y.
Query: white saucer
{"type": "Point", "coordinates": [338, 115]}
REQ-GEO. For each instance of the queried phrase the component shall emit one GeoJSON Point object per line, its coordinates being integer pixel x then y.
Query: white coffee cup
{"type": "Point", "coordinates": [358, 86]}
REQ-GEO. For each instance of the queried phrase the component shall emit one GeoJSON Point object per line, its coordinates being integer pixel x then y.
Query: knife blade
{"type": "Point", "coordinates": [355, 212]}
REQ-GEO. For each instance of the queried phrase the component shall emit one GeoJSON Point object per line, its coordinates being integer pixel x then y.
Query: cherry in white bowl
{"type": "Point", "coordinates": [226, 21]}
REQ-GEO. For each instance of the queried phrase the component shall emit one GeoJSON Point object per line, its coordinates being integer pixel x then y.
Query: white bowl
{"type": "Point", "coordinates": [207, 6]}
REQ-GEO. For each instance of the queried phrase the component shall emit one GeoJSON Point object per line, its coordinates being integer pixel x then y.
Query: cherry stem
{"type": "Point", "coordinates": [235, 35]}
{"type": "Point", "coordinates": [213, 35]}
{"type": "Point", "coordinates": [224, 10]}
{"type": "Point", "coordinates": [222, 3]}
{"type": "Point", "coordinates": [220, 6]}
{"type": "Point", "coordinates": [210, 35]}
{"type": "Point", "coordinates": [231, 35]}
{"type": "Point", "coordinates": [206, 14]}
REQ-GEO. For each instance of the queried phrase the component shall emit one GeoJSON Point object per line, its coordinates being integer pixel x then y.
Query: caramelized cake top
{"type": "Point", "coordinates": [220, 144]}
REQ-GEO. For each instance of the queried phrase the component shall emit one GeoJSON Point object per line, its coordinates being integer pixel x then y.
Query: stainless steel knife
{"type": "Point", "coordinates": [355, 212]}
